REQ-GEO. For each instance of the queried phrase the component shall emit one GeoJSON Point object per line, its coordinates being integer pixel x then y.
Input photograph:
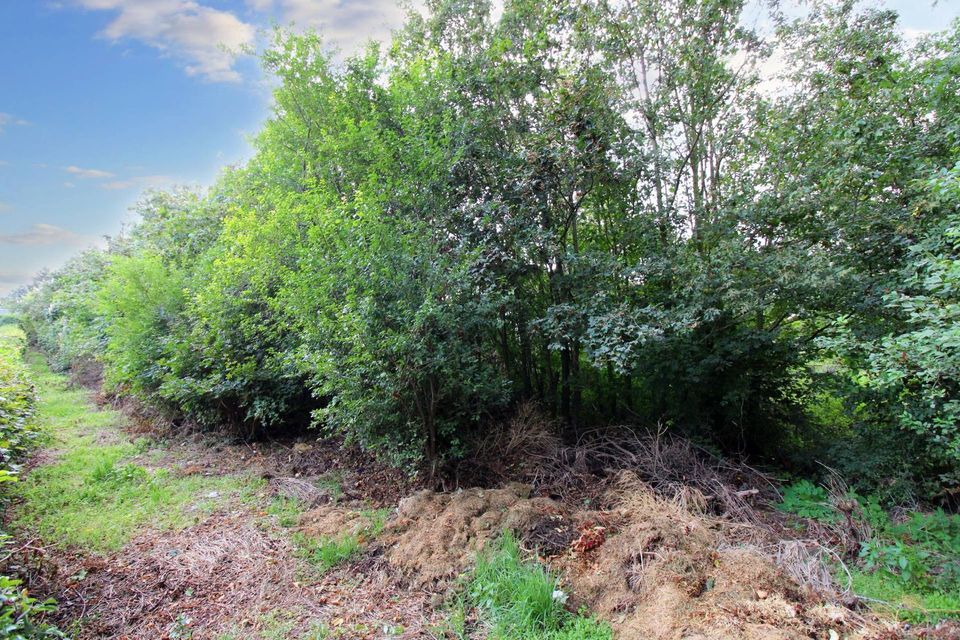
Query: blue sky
{"type": "Point", "coordinates": [100, 99]}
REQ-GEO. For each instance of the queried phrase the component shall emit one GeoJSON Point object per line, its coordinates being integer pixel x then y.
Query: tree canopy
{"type": "Point", "coordinates": [614, 209]}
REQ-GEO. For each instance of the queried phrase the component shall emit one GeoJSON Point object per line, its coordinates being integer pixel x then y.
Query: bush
{"type": "Point", "coordinates": [808, 500]}
{"type": "Point", "coordinates": [19, 613]}
{"type": "Point", "coordinates": [17, 399]}
{"type": "Point", "coordinates": [18, 437]}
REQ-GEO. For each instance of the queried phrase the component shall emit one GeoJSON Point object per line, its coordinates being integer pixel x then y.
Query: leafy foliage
{"type": "Point", "coordinates": [808, 500]}
{"type": "Point", "coordinates": [602, 208]}
{"type": "Point", "coordinates": [911, 563]}
{"type": "Point", "coordinates": [20, 614]}
{"type": "Point", "coordinates": [18, 436]}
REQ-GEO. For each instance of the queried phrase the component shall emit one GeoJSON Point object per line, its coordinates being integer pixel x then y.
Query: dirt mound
{"type": "Point", "coordinates": [656, 569]}
{"type": "Point", "coordinates": [664, 573]}
{"type": "Point", "coordinates": [435, 536]}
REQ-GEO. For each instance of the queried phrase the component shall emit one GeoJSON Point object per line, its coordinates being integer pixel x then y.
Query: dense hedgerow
{"type": "Point", "coordinates": [492, 210]}
{"type": "Point", "coordinates": [18, 437]}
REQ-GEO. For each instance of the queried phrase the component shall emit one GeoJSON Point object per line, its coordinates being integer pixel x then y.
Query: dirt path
{"type": "Point", "coordinates": [146, 539]}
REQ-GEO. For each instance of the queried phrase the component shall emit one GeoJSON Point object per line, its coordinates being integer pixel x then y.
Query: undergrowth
{"type": "Point", "coordinates": [90, 494]}
{"type": "Point", "coordinates": [908, 567]}
{"type": "Point", "coordinates": [522, 600]}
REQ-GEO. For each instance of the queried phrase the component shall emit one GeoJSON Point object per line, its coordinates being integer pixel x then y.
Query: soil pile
{"type": "Point", "coordinates": [661, 572]}
{"type": "Point", "coordinates": [653, 568]}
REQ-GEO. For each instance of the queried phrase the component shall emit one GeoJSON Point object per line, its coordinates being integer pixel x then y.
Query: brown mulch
{"type": "Point", "coordinates": [226, 575]}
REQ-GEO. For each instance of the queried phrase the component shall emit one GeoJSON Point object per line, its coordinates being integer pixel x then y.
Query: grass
{"type": "Point", "coordinates": [520, 599]}
{"type": "Point", "coordinates": [91, 495]}
{"type": "Point", "coordinates": [285, 511]}
{"type": "Point", "coordinates": [332, 483]}
{"type": "Point", "coordinates": [326, 552]}
{"type": "Point", "coordinates": [893, 598]}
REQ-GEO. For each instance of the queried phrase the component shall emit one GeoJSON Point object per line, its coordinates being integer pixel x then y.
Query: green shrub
{"type": "Point", "coordinates": [910, 563]}
{"type": "Point", "coordinates": [17, 401]}
{"type": "Point", "coordinates": [18, 437]}
{"type": "Point", "coordinates": [19, 613]}
{"type": "Point", "coordinates": [808, 500]}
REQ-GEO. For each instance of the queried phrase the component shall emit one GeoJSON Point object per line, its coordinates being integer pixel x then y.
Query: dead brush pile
{"type": "Point", "coordinates": [667, 570]}
{"type": "Point", "coordinates": [650, 532]}
{"type": "Point", "coordinates": [655, 568]}
{"type": "Point", "coordinates": [526, 449]}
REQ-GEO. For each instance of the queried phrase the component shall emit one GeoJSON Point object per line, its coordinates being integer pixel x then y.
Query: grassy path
{"type": "Point", "coordinates": [94, 487]}
{"type": "Point", "coordinates": [142, 542]}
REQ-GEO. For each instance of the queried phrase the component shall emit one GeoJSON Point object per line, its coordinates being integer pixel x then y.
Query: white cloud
{"type": "Point", "coordinates": [260, 5]}
{"type": "Point", "coordinates": [88, 173]}
{"type": "Point", "coordinates": [205, 39]}
{"type": "Point", "coordinates": [46, 234]}
{"type": "Point", "coordinates": [138, 182]}
{"type": "Point", "coordinates": [10, 120]}
{"type": "Point", "coordinates": [913, 35]}
{"type": "Point", "coordinates": [343, 23]}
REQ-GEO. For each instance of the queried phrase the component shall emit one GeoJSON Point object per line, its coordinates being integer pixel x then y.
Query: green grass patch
{"type": "Point", "coordinates": [91, 495]}
{"type": "Point", "coordinates": [285, 511]}
{"type": "Point", "coordinates": [326, 552]}
{"type": "Point", "coordinates": [891, 597]}
{"type": "Point", "coordinates": [521, 599]}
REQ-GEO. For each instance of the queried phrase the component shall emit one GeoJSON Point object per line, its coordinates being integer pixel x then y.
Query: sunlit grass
{"type": "Point", "coordinates": [520, 599]}
{"type": "Point", "coordinates": [90, 495]}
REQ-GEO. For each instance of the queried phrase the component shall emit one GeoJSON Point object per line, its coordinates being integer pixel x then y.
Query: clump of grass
{"type": "Point", "coordinates": [520, 599]}
{"type": "Point", "coordinates": [286, 511]}
{"type": "Point", "coordinates": [326, 552]}
{"type": "Point", "coordinates": [90, 495]}
{"type": "Point", "coordinates": [903, 602]}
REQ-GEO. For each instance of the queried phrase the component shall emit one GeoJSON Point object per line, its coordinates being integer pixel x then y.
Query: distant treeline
{"type": "Point", "coordinates": [637, 212]}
